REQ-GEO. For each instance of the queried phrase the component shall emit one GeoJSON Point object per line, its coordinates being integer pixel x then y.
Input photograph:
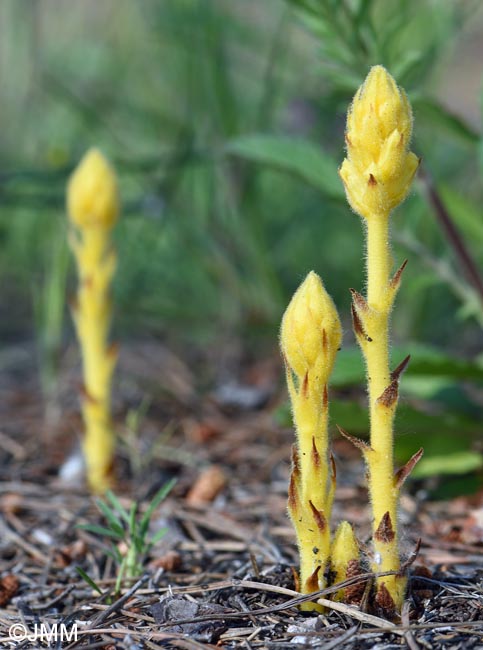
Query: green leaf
{"type": "Point", "coordinates": [461, 462]}
{"type": "Point", "coordinates": [132, 519]}
{"type": "Point", "coordinates": [464, 212]}
{"type": "Point", "coordinates": [441, 118]}
{"type": "Point", "coordinates": [426, 361]}
{"type": "Point", "coordinates": [119, 508]}
{"type": "Point", "coordinates": [114, 522]}
{"type": "Point", "coordinates": [454, 486]}
{"type": "Point", "coordinates": [88, 579]}
{"type": "Point", "coordinates": [115, 554]}
{"type": "Point", "coordinates": [294, 156]}
{"type": "Point", "coordinates": [157, 499]}
{"type": "Point", "coordinates": [101, 530]}
{"type": "Point", "coordinates": [158, 535]}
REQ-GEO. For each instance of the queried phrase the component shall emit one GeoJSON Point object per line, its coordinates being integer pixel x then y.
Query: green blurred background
{"type": "Point", "coordinates": [225, 121]}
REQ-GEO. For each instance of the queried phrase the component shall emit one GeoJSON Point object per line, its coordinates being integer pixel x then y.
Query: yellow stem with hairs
{"type": "Point", "coordinates": [377, 174]}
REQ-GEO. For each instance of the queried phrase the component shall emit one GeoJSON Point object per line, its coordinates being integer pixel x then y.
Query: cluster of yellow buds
{"type": "Point", "coordinates": [93, 209]}
{"type": "Point", "coordinates": [379, 169]}
{"type": "Point", "coordinates": [377, 175]}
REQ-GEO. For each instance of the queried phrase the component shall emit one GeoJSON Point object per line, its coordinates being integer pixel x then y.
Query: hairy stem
{"type": "Point", "coordinates": [382, 406]}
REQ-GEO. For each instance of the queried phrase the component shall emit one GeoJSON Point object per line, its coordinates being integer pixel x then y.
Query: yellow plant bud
{"type": "Point", "coordinates": [311, 332]}
{"type": "Point", "coordinates": [344, 554]}
{"type": "Point", "coordinates": [310, 337]}
{"type": "Point", "coordinates": [379, 167]}
{"type": "Point", "coordinates": [92, 194]}
{"type": "Point", "coordinates": [93, 205]}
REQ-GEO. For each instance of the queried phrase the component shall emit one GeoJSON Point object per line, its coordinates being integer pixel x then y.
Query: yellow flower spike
{"type": "Point", "coordinates": [93, 208]}
{"type": "Point", "coordinates": [344, 556]}
{"type": "Point", "coordinates": [379, 169]}
{"type": "Point", "coordinates": [310, 337]}
{"type": "Point", "coordinates": [377, 175]}
{"type": "Point", "coordinates": [92, 193]}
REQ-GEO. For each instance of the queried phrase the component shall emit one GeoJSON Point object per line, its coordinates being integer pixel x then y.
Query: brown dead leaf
{"type": "Point", "coordinates": [9, 585]}
{"type": "Point", "coordinates": [202, 432]}
{"type": "Point", "coordinates": [207, 487]}
{"type": "Point", "coordinates": [170, 561]}
{"type": "Point", "coordinates": [72, 552]}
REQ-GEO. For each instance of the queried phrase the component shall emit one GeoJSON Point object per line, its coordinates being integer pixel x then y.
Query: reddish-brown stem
{"type": "Point", "coordinates": [452, 234]}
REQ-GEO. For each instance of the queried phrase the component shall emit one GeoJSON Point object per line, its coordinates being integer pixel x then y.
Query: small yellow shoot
{"type": "Point", "coordinates": [344, 556]}
{"type": "Point", "coordinates": [310, 337]}
{"type": "Point", "coordinates": [93, 208]}
{"type": "Point", "coordinates": [377, 174]}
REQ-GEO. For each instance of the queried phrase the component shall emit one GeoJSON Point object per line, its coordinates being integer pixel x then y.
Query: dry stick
{"type": "Point", "coordinates": [342, 638]}
{"type": "Point", "coordinates": [259, 586]}
{"type": "Point", "coordinates": [351, 611]}
{"type": "Point", "coordinates": [410, 640]}
{"type": "Point", "coordinates": [452, 234]}
{"type": "Point", "coordinates": [142, 634]}
{"type": "Point", "coordinates": [119, 603]}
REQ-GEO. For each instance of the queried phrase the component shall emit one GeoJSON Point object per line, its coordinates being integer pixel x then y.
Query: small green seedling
{"type": "Point", "coordinates": [128, 529]}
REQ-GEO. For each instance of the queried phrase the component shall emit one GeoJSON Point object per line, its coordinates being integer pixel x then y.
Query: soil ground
{"type": "Point", "coordinates": [222, 575]}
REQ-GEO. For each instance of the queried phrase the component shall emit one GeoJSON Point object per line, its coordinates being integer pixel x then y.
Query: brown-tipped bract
{"type": "Point", "coordinates": [93, 206]}
{"type": "Point", "coordinates": [310, 337]}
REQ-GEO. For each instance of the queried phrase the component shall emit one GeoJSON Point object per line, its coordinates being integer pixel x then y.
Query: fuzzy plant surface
{"type": "Point", "coordinates": [310, 337]}
{"type": "Point", "coordinates": [93, 209]}
{"type": "Point", "coordinates": [377, 175]}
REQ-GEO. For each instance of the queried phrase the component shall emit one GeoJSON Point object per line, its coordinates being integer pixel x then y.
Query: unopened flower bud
{"type": "Point", "coordinates": [92, 193]}
{"type": "Point", "coordinates": [379, 167]}
{"type": "Point", "coordinates": [311, 332]}
{"type": "Point", "coordinates": [344, 552]}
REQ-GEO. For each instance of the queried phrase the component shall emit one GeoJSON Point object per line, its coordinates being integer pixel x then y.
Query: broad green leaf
{"type": "Point", "coordinates": [461, 462]}
{"type": "Point", "coordinates": [446, 437]}
{"type": "Point", "coordinates": [426, 361]}
{"type": "Point", "coordinates": [455, 485]}
{"type": "Point", "coordinates": [466, 215]}
{"type": "Point", "coordinates": [441, 118]}
{"type": "Point", "coordinates": [295, 156]}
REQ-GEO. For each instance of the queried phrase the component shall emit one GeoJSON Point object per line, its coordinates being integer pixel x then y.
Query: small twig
{"type": "Point", "coordinates": [119, 603]}
{"type": "Point", "coordinates": [50, 603]}
{"type": "Point", "coordinates": [8, 533]}
{"type": "Point", "coordinates": [409, 636]}
{"type": "Point", "coordinates": [353, 612]}
{"type": "Point", "coordinates": [342, 638]}
{"type": "Point", "coordinates": [260, 586]}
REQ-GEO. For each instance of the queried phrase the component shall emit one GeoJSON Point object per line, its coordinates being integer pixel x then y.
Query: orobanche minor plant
{"type": "Point", "coordinates": [310, 337]}
{"type": "Point", "coordinates": [93, 208]}
{"type": "Point", "coordinates": [377, 175]}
